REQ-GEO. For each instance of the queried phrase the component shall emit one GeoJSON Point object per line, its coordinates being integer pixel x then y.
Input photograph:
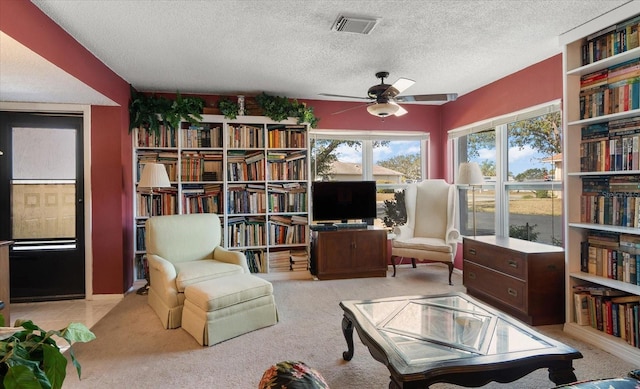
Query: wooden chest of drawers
{"type": "Point", "coordinates": [524, 279]}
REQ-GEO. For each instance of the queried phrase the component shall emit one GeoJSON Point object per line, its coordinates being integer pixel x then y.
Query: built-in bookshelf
{"type": "Point", "coordinates": [251, 171]}
{"type": "Point", "coordinates": [601, 116]}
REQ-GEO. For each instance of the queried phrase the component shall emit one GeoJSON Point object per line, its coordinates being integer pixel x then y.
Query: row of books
{"type": "Point", "coordinates": [612, 40]}
{"type": "Point", "coordinates": [163, 201]}
{"type": "Point", "coordinates": [612, 146]}
{"type": "Point", "coordinates": [288, 234]}
{"type": "Point", "coordinates": [166, 137]}
{"type": "Point", "coordinates": [202, 202]}
{"type": "Point", "coordinates": [246, 136]}
{"type": "Point", "coordinates": [287, 202]}
{"type": "Point", "coordinates": [611, 255]}
{"type": "Point", "coordinates": [613, 312]}
{"type": "Point", "coordinates": [288, 137]}
{"type": "Point", "coordinates": [256, 261]}
{"type": "Point", "coordinates": [288, 229]}
{"type": "Point", "coordinates": [201, 166]}
{"type": "Point", "coordinates": [246, 198]}
{"type": "Point", "coordinates": [141, 268]}
{"type": "Point", "coordinates": [611, 200]}
{"type": "Point", "coordinates": [208, 135]}
{"type": "Point", "coordinates": [245, 166]}
{"type": "Point", "coordinates": [202, 136]}
{"type": "Point", "coordinates": [611, 90]}
{"type": "Point", "coordinates": [289, 170]}
{"type": "Point", "coordinates": [246, 231]}
{"type": "Point", "coordinates": [140, 235]}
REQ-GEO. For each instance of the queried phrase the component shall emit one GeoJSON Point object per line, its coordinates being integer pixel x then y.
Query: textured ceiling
{"type": "Point", "coordinates": [287, 47]}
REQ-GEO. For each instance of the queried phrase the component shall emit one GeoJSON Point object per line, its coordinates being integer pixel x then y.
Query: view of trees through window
{"type": "Point", "coordinates": [392, 163]}
{"type": "Point", "coordinates": [525, 158]}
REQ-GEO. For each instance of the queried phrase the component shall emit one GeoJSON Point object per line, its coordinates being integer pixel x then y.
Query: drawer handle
{"type": "Point", "coordinates": [513, 263]}
{"type": "Point", "coordinates": [472, 275]}
{"type": "Point", "coordinates": [472, 251]}
{"type": "Point", "coordinates": [512, 292]}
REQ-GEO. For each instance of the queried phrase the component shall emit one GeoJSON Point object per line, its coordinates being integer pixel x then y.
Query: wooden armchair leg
{"type": "Point", "coordinates": [450, 271]}
{"type": "Point", "coordinates": [413, 262]}
{"type": "Point", "coordinates": [393, 262]}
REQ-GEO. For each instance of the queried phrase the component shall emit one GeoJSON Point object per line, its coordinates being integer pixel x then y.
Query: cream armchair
{"type": "Point", "coordinates": [430, 233]}
{"type": "Point", "coordinates": [183, 250]}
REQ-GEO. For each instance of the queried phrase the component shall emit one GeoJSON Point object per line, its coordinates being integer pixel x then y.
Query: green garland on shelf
{"type": "Point", "coordinates": [228, 107]}
{"type": "Point", "coordinates": [280, 108]}
{"type": "Point", "coordinates": [152, 111]}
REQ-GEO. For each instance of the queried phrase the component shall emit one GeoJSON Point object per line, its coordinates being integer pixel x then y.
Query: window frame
{"type": "Point", "coordinates": [502, 186]}
{"type": "Point", "coordinates": [367, 137]}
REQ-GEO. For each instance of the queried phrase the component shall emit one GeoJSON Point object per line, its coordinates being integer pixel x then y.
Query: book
{"type": "Point", "coordinates": [581, 304]}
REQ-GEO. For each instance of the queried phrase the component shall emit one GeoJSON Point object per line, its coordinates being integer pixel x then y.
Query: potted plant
{"type": "Point", "coordinates": [31, 358]}
{"type": "Point", "coordinates": [151, 111]}
{"type": "Point", "coordinates": [396, 213]}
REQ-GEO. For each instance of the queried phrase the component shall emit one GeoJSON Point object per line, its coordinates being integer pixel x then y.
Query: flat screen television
{"type": "Point", "coordinates": [343, 200]}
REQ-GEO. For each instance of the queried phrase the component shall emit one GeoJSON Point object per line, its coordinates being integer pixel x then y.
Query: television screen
{"type": "Point", "coordinates": [343, 200]}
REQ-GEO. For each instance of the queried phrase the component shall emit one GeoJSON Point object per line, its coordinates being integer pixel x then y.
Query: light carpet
{"type": "Point", "coordinates": [132, 350]}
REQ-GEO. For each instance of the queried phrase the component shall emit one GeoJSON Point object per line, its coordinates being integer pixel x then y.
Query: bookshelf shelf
{"type": "Point", "coordinates": [596, 115]}
{"type": "Point", "coordinates": [607, 62]}
{"type": "Point", "coordinates": [221, 166]}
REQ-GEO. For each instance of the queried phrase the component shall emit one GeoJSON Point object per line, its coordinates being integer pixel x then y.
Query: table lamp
{"type": "Point", "coordinates": [154, 175]}
{"type": "Point", "coordinates": [470, 174]}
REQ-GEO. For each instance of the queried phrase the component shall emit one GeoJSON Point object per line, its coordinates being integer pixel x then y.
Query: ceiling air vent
{"type": "Point", "coordinates": [355, 24]}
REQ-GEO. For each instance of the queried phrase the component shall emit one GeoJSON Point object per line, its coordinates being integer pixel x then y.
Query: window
{"type": "Point", "coordinates": [520, 157]}
{"type": "Point", "coordinates": [392, 159]}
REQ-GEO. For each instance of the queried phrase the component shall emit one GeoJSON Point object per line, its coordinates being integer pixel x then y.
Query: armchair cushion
{"type": "Point", "coordinates": [418, 243]}
{"type": "Point", "coordinates": [192, 272]}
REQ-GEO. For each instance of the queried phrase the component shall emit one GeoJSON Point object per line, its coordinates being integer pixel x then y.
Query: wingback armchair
{"type": "Point", "coordinates": [183, 250]}
{"type": "Point", "coordinates": [429, 233]}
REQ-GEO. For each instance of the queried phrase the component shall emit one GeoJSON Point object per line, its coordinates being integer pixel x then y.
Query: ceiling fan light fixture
{"type": "Point", "coordinates": [383, 109]}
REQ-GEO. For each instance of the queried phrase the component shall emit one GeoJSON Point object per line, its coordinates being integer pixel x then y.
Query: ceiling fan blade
{"type": "Point", "coordinates": [350, 108]}
{"type": "Point", "coordinates": [433, 97]}
{"type": "Point", "coordinates": [398, 87]}
{"type": "Point", "coordinates": [343, 96]}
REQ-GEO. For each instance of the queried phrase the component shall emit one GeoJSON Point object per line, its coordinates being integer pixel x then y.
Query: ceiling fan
{"type": "Point", "coordinates": [384, 98]}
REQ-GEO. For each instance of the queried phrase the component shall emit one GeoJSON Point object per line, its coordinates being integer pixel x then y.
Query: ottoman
{"type": "Point", "coordinates": [220, 309]}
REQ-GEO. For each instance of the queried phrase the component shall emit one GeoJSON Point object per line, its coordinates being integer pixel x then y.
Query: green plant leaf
{"type": "Point", "coordinates": [55, 365]}
{"type": "Point", "coordinates": [34, 349]}
{"type": "Point", "coordinates": [21, 377]}
{"type": "Point", "coordinates": [77, 332]}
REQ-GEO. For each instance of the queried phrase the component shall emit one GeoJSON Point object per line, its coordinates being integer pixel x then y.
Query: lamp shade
{"type": "Point", "coordinates": [470, 174]}
{"type": "Point", "coordinates": [383, 109]}
{"type": "Point", "coordinates": [154, 175]}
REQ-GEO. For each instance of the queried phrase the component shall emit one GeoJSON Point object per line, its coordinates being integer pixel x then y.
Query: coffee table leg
{"type": "Point", "coordinates": [347, 331]}
{"type": "Point", "coordinates": [562, 374]}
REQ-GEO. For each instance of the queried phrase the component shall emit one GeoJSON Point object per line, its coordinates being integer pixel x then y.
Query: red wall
{"type": "Point", "coordinates": [110, 144]}
{"type": "Point", "coordinates": [536, 84]}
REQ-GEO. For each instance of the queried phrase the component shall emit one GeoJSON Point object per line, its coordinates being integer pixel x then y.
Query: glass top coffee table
{"type": "Point", "coordinates": [451, 338]}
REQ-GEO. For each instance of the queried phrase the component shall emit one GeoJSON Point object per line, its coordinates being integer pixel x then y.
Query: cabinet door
{"type": "Point", "coordinates": [336, 251]}
{"type": "Point", "coordinates": [369, 250]}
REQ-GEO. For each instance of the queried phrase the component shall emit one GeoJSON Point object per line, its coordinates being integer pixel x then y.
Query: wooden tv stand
{"type": "Point", "coordinates": [349, 253]}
